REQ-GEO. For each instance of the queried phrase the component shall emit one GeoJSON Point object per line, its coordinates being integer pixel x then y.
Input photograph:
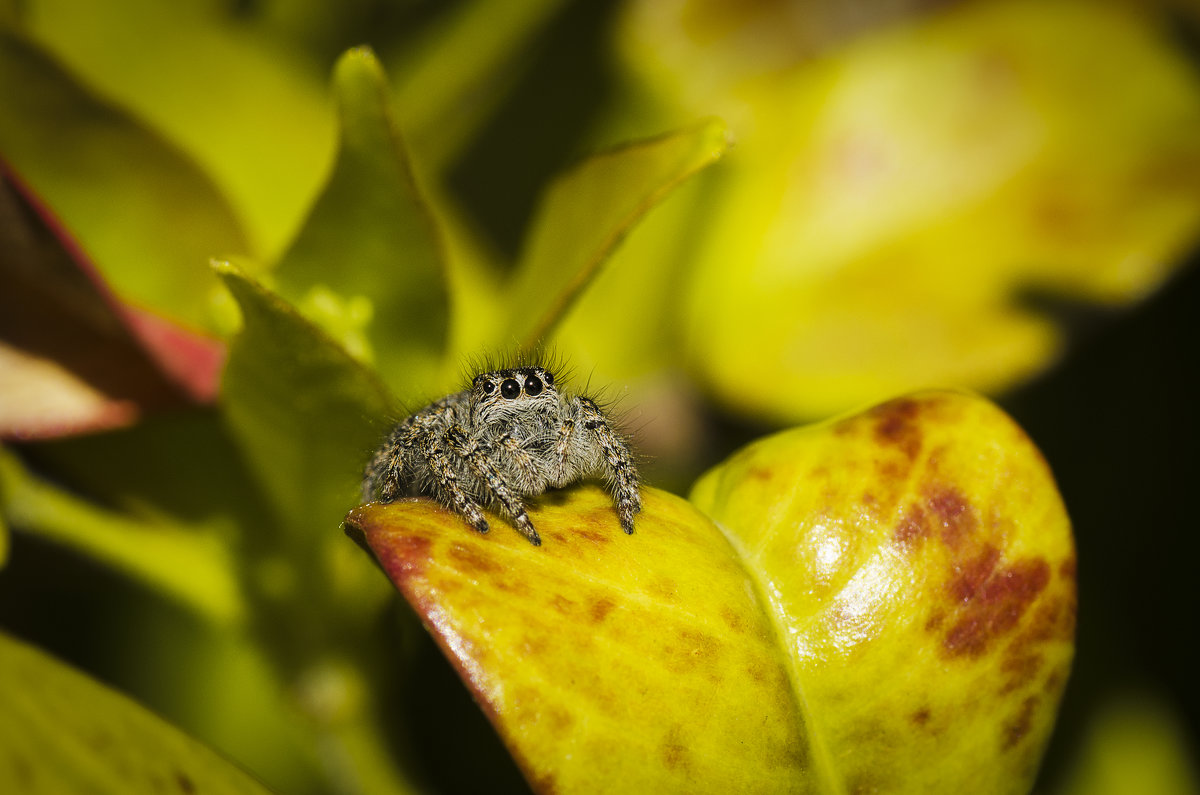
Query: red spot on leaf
{"type": "Point", "coordinates": [1067, 567]}
{"type": "Point", "coordinates": [956, 515]}
{"type": "Point", "coordinates": [563, 605]}
{"type": "Point", "coordinates": [600, 609]}
{"type": "Point", "coordinates": [920, 717]}
{"type": "Point", "coordinates": [674, 752]}
{"type": "Point", "coordinates": [913, 527]}
{"type": "Point", "coordinates": [471, 559]}
{"type": "Point", "coordinates": [403, 556]}
{"type": "Point", "coordinates": [1020, 667]}
{"type": "Point", "coordinates": [973, 574]}
{"type": "Point", "coordinates": [992, 600]}
{"type": "Point", "coordinates": [759, 473]}
{"type": "Point", "coordinates": [1016, 729]}
{"type": "Point", "coordinates": [733, 620]}
{"type": "Point", "coordinates": [594, 536]}
{"type": "Point", "coordinates": [896, 425]}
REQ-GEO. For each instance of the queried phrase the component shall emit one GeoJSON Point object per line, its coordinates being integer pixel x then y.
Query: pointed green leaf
{"type": "Point", "coordinates": [587, 211]}
{"type": "Point", "coordinates": [188, 564]}
{"type": "Point", "coordinates": [885, 601]}
{"type": "Point", "coordinates": [61, 731]}
{"type": "Point", "coordinates": [371, 238]}
{"type": "Point", "coordinates": [140, 209]}
{"type": "Point", "coordinates": [306, 413]}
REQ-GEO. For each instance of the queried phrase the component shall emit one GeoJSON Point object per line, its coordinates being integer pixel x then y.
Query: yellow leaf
{"type": "Point", "coordinates": [921, 566]}
{"type": "Point", "coordinates": [885, 601]}
{"type": "Point", "coordinates": [893, 203]}
{"type": "Point", "coordinates": [608, 662]}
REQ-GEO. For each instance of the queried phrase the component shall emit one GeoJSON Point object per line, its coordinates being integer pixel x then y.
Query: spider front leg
{"type": "Point", "coordinates": [484, 469]}
{"type": "Point", "coordinates": [447, 481]}
{"type": "Point", "coordinates": [626, 486]}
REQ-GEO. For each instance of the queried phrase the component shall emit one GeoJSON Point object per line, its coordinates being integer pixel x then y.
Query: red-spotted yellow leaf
{"type": "Point", "coordinates": [883, 601]}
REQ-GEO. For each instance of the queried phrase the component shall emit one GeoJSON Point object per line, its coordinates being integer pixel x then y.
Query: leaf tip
{"type": "Point", "coordinates": [357, 63]}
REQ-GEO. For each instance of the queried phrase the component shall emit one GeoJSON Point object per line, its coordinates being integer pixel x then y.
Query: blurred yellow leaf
{"type": "Point", "coordinates": [1136, 743]}
{"type": "Point", "coordinates": [63, 732]}
{"type": "Point", "coordinates": [886, 601]}
{"type": "Point", "coordinates": [893, 202]}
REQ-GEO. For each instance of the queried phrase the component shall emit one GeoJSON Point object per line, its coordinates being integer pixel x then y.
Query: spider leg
{"type": "Point", "coordinates": [383, 474]}
{"type": "Point", "coordinates": [481, 465]}
{"type": "Point", "coordinates": [521, 465]}
{"type": "Point", "coordinates": [624, 477]}
{"type": "Point", "coordinates": [447, 481]}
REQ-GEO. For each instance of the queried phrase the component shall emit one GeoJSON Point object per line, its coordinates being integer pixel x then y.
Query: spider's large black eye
{"type": "Point", "coordinates": [533, 385]}
{"type": "Point", "coordinates": [510, 388]}
{"type": "Point", "coordinates": [487, 387]}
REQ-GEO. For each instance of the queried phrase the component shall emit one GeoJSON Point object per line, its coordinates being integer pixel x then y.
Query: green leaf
{"type": "Point", "coordinates": [306, 414]}
{"type": "Point", "coordinates": [139, 208]}
{"type": "Point", "coordinates": [884, 602]}
{"type": "Point", "coordinates": [188, 564]}
{"type": "Point", "coordinates": [253, 112]}
{"type": "Point", "coordinates": [63, 732]}
{"type": "Point", "coordinates": [371, 237]}
{"type": "Point", "coordinates": [585, 214]}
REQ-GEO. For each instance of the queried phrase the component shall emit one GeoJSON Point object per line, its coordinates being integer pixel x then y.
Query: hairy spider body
{"type": "Point", "coordinates": [511, 435]}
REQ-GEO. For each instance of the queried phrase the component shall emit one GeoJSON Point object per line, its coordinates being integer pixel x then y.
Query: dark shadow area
{"type": "Point", "coordinates": [1117, 421]}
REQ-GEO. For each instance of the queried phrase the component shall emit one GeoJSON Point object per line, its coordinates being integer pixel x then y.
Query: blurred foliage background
{"type": "Point", "coordinates": [1003, 196]}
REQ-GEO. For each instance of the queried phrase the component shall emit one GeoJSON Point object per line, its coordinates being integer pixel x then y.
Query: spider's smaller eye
{"type": "Point", "coordinates": [533, 385]}
{"type": "Point", "coordinates": [510, 388]}
{"type": "Point", "coordinates": [549, 378]}
{"type": "Point", "coordinates": [487, 387]}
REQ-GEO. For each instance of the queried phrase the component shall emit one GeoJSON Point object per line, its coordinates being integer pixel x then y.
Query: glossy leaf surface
{"type": "Point", "coordinates": [63, 732]}
{"type": "Point", "coordinates": [922, 570]}
{"type": "Point", "coordinates": [886, 601]}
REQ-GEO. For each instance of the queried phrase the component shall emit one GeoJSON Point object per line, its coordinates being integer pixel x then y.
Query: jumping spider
{"type": "Point", "coordinates": [511, 435]}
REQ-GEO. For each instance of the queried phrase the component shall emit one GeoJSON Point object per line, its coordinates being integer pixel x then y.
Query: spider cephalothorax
{"type": "Point", "coordinates": [511, 435]}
